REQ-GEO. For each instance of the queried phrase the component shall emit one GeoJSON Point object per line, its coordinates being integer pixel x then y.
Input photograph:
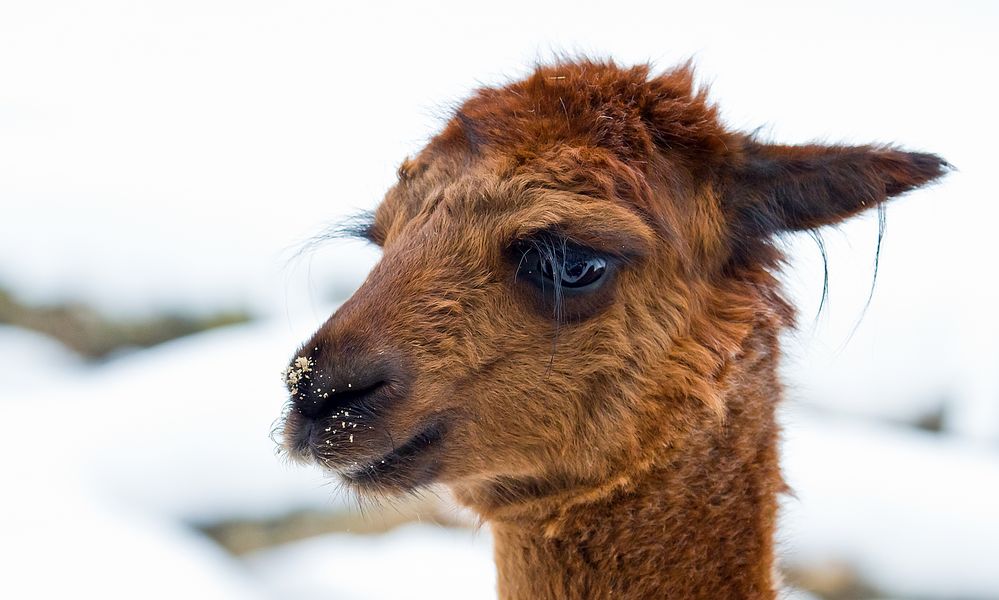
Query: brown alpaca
{"type": "Point", "coordinates": [574, 326]}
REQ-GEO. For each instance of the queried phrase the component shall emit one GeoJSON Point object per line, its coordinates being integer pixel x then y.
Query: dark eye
{"type": "Point", "coordinates": [573, 268]}
{"type": "Point", "coordinates": [578, 273]}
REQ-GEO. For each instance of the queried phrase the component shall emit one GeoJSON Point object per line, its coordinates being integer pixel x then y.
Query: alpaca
{"type": "Point", "coordinates": [574, 327]}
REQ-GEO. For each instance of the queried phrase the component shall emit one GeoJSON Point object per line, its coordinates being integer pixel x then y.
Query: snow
{"type": "Point", "coordinates": [196, 415]}
{"type": "Point", "coordinates": [914, 513]}
{"type": "Point", "coordinates": [452, 563]}
{"type": "Point", "coordinates": [27, 357]}
{"type": "Point", "coordinates": [87, 547]}
{"type": "Point", "coordinates": [64, 536]}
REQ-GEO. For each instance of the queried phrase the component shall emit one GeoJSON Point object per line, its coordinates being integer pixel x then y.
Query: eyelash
{"type": "Point", "coordinates": [360, 226]}
{"type": "Point", "coordinates": [567, 268]}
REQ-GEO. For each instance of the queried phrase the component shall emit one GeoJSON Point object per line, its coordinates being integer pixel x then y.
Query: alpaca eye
{"type": "Point", "coordinates": [573, 268]}
{"type": "Point", "coordinates": [577, 274]}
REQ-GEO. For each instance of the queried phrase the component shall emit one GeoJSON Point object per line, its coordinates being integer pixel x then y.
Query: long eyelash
{"type": "Point", "coordinates": [520, 263]}
{"type": "Point", "coordinates": [358, 226]}
{"type": "Point", "coordinates": [553, 248]}
{"type": "Point", "coordinates": [557, 258]}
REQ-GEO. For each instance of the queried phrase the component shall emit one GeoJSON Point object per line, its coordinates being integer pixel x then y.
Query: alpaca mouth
{"type": "Point", "coordinates": [408, 466]}
{"type": "Point", "coordinates": [339, 447]}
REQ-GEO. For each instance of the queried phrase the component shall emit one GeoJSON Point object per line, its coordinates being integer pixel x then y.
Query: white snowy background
{"type": "Point", "coordinates": [171, 156]}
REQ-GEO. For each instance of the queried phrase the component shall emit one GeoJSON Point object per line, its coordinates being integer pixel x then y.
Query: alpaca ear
{"type": "Point", "coordinates": [789, 188]}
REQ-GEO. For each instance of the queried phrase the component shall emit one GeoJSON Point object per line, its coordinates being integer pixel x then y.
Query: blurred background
{"type": "Point", "coordinates": [161, 163]}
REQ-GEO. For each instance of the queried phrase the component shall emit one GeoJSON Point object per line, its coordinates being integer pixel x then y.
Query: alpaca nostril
{"type": "Point", "coordinates": [318, 400]}
{"type": "Point", "coordinates": [334, 373]}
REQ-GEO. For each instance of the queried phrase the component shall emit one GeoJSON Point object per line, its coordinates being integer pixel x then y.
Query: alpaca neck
{"type": "Point", "coordinates": [698, 523]}
{"type": "Point", "coordinates": [702, 528]}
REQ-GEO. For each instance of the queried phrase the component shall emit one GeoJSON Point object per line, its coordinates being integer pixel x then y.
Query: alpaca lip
{"type": "Point", "coordinates": [300, 441]}
{"type": "Point", "coordinates": [410, 465]}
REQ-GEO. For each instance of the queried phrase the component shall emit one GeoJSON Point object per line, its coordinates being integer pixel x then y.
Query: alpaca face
{"type": "Point", "coordinates": [499, 336]}
{"type": "Point", "coordinates": [567, 268]}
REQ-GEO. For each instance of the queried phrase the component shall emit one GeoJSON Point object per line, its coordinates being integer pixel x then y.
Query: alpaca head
{"type": "Point", "coordinates": [567, 267]}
